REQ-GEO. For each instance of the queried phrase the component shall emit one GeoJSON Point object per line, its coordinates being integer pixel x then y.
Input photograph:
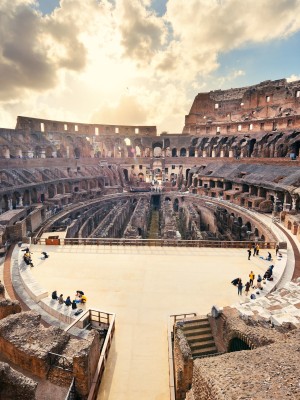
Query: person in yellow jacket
{"type": "Point", "coordinates": [83, 299]}
{"type": "Point", "coordinates": [251, 278]}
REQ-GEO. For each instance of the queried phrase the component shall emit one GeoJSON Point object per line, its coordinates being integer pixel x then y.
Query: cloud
{"type": "Point", "coordinates": [34, 48]}
{"type": "Point", "coordinates": [142, 32]}
{"type": "Point", "coordinates": [119, 62]}
{"type": "Point", "coordinates": [128, 111]}
{"type": "Point", "coordinates": [293, 78]}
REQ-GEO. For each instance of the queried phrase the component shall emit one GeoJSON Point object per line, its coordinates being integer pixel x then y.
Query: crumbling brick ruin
{"type": "Point", "coordinates": [238, 151]}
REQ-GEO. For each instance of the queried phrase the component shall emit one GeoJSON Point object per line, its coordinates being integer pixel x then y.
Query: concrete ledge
{"type": "Point", "coordinates": [59, 311]}
{"type": "Point", "coordinates": [34, 290]}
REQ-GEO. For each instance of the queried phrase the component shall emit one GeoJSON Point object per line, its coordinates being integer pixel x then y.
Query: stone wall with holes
{"type": "Point", "coordinates": [183, 364]}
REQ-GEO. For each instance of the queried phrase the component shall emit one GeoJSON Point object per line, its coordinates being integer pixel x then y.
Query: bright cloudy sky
{"type": "Point", "coordinates": [138, 61]}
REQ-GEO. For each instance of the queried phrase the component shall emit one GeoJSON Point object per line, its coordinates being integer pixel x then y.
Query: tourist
{"type": "Point", "coordinates": [257, 249]}
{"type": "Point", "coordinates": [54, 295]}
{"type": "Point", "coordinates": [68, 301]}
{"type": "Point", "coordinates": [74, 305]}
{"type": "Point", "coordinates": [276, 249]}
{"type": "Point", "coordinates": [240, 287]}
{"type": "Point", "coordinates": [235, 281]}
{"type": "Point", "coordinates": [249, 253]}
{"type": "Point", "coordinates": [45, 255]}
{"type": "Point", "coordinates": [268, 274]}
{"type": "Point", "coordinates": [247, 288]}
{"type": "Point", "coordinates": [61, 299]}
{"type": "Point", "coordinates": [83, 299]}
{"type": "Point", "coordinates": [251, 276]}
{"type": "Point", "coordinates": [258, 282]}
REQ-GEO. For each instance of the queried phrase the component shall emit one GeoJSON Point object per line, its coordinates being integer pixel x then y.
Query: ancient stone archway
{"type": "Point", "coordinates": [237, 344]}
{"type": "Point", "coordinates": [183, 152]}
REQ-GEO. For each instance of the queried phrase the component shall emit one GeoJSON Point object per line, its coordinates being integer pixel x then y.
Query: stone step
{"type": "Point", "coordinates": [200, 337]}
{"type": "Point", "coordinates": [205, 351]}
{"type": "Point", "coordinates": [197, 331]}
{"type": "Point", "coordinates": [196, 324]}
{"type": "Point", "coordinates": [202, 345]}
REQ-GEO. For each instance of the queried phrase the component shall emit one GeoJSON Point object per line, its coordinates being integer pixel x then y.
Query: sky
{"type": "Point", "coordinates": [138, 62]}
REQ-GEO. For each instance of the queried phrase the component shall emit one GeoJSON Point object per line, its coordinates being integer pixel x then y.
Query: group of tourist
{"type": "Point", "coordinates": [268, 275]}
{"type": "Point", "coordinates": [249, 284]}
{"type": "Point", "coordinates": [80, 297]}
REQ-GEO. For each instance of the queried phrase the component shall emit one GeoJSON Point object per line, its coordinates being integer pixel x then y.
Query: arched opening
{"type": "Point", "coordinates": [51, 191]}
{"type": "Point", "coordinates": [174, 152]}
{"type": "Point", "coordinates": [248, 225]}
{"type": "Point", "coordinates": [157, 149]}
{"type": "Point", "coordinates": [49, 152]}
{"type": "Point", "coordinates": [26, 198]}
{"type": "Point", "coordinates": [176, 205]}
{"type": "Point", "coordinates": [183, 152]}
{"type": "Point", "coordinates": [192, 152]}
{"type": "Point", "coordinates": [37, 152]}
{"type": "Point", "coordinates": [187, 174]}
{"type": "Point", "coordinates": [237, 344]}
{"type": "Point", "coordinates": [251, 146]}
{"type": "Point", "coordinates": [141, 177]}
{"type": "Point", "coordinates": [15, 199]}
{"type": "Point", "coordinates": [4, 203]}
{"type": "Point", "coordinates": [126, 175]}
{"type": "Point", "coordinates": [77, 152]}
{"type": "Point", "coordinates": [295, 149]}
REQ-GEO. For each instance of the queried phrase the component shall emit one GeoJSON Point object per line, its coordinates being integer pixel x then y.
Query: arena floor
{"type": "Point", "coordinates": [143, 286]}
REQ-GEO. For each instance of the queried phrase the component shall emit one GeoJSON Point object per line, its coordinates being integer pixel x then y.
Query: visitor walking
{"type": "Point", "coordinates": [249, 253]}
{"type": "Point", "coordinates": [277, 249]}
{"type": "Point", "coordinates": [61, 299]}
{"type": "Point", "coordinates": [257, 249]}
{"type": "Point", "coordinates": [240, 287]}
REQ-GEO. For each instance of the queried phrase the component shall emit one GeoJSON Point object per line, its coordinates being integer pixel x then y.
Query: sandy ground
{"type": "Point", "coordinates": [143, 286]}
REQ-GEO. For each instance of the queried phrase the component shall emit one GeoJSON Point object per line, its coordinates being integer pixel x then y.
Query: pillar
{"type": "Point", "coordinates": [9, 201]}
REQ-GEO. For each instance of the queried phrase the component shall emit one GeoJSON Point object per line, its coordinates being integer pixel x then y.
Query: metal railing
{"type": "Point", "coordinates": [72, 392]}
{"type": "Point", "coordinates": [160, 242]}
{"type": "Point", "coordinates": [59, 361]}
{"type": "Point", "coordinates": [101, 317]}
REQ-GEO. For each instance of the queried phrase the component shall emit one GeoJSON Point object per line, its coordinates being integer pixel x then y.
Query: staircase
{"type": "Point", "coordinates": [199, 336]}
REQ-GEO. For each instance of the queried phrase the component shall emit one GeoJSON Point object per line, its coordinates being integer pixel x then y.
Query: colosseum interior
{"type": "Point", "coordinates": [90, 194]}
